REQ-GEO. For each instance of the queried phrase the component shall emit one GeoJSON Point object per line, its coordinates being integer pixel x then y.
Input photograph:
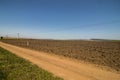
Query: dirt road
{"type": "Point", "coordinates": [63, 67]}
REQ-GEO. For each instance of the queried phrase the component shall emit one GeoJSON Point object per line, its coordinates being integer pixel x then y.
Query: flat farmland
{"type": "Point", "coordinates": [105, 53]}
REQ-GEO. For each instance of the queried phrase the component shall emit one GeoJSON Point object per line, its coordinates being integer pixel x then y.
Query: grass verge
{"type": "Point", "coordinates": [13, 67]}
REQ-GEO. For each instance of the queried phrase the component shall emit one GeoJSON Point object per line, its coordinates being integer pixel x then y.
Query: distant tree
{"type": "Point", "coordinates": [1, 37]}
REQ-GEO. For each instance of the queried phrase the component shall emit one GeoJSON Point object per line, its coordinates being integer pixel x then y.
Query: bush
{"type": "Point", "coordinates": [1, 37]}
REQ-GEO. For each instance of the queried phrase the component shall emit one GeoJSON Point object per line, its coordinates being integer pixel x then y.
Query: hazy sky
{"type": "Point", "coordinates": [60, 19]}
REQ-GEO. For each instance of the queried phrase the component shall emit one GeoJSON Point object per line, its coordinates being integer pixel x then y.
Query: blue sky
{"type": "Point", "coordinates": [60, 19]}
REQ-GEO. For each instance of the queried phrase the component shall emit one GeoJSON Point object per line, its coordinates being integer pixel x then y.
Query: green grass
{"type": "Point", "coordinates": [13, 67]}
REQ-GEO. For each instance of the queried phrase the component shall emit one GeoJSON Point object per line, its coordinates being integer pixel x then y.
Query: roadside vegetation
{"type": "Point", "coordinates": [13, 67]}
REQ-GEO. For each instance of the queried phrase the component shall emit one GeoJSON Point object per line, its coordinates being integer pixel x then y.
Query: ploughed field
{"type": "Point", "coordinates": [106, 53]}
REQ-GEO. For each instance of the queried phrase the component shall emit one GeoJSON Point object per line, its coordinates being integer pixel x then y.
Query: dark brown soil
{"type": "Point", "coordinates": [105, 53]}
